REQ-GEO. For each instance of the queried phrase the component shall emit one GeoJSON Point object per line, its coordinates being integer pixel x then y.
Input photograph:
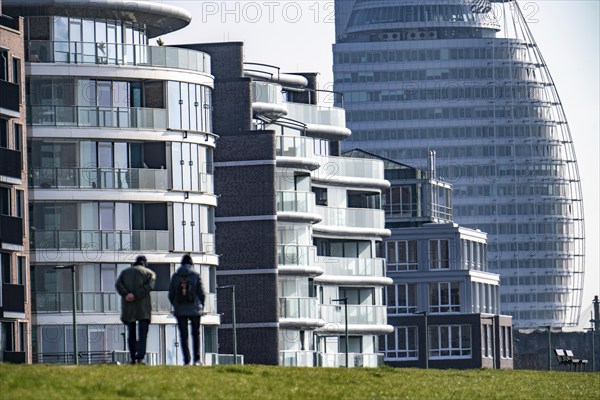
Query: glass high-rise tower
{"type": "Point", "coordinates": [465, 78]}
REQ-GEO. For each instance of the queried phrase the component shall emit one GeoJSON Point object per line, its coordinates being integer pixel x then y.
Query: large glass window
{"type": "Point", "coordinates": [189, 107]}
{"type": "Point", "coordinates": [401, 255]}
{"type": "Point", "coordinates": [402, 344]}
{"type": "Point", "coordinates": [439, 256]}
{"type": "Point", "coordinates": [450, 341]}
{"type": "Point", "coordinates": [402, 298]}
{"type": "Point", "coordinates": [444, 297]}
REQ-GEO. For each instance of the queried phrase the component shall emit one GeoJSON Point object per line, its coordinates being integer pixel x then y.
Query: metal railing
{"type": "Point", "coordinates": [86, 116]}
{"type": "Point", "coordinates": [99, 178]}
{"type": "Point", "coordinates": [335, 167]}
{"type": "Point", "coordinates": [357, 314]}
{"type": "Point", "coordinates": [292, 201]}
{"type": "Point", "coordinates": [343, 266]}
{"type": "Point", "coordinates": [298, 307]}
{"type": "Point", "coordinates": [85, 357]}
{"type": "Point", "coordinates": [337, 360]}
{"type": "Point", "coordinates": [297, 358]}
{"type": "Point", "coordinates": [100, 240]}
{"type": "Point", "coordinates": [316, 115]}
{"type": "Point", "coordinates": [223, 359]}
{"type": "Point", "coordinates": [294, 146]}
{"type": "Point", "coordinates": [92, 302]}
{"type": "Point", "coordinates": [46, 51]}
{"type": "Point", "coordinates": [295, 254]}
{"type": "Point", "coordinates": [351, 217]}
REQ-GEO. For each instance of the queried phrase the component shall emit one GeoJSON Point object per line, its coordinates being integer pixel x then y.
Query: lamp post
{"type": "Point", "coordinates": [345, 301]}
{"type": "Point", "coordinates": [74, 287]}
{"type": "Point", "coordinates": [232, 287]}
{"type": "Point", "coordinates": [424, 314]}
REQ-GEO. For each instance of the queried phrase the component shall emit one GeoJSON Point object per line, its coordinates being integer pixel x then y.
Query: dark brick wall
{"type": "Point", "coordinates": [258, 345]}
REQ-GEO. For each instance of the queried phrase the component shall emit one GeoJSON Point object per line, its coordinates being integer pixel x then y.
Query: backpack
{"type": "Point", "coordinates": [186, 289]}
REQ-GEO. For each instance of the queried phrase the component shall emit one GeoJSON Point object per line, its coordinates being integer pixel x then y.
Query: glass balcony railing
{"type": "Point", "coordinates": [298, 307]}
{"type": "Point", "coordinates": [336, 360]}
{"type": "Point", "coordinates": [97, 240]}
{"type": "Point", "coordinates": [47, 51]}
{"type": "Point", "coordinates": [351, 217]}
{"type": "Point", "coordinates": [265, 92]}
{"type": "Point", "coordinates": [297, 358]}
{"type": "Point", "coordinates": [109, 117]}
{"type": "Point", "coordinates": [335, 167]}
{"type": "Point", "coordinates": [210, 303]}
{"type": "Point", "coordinates": [99, 178]}
{"type": "Point", "coordinates": [294, 146]}
{"type": "Point", "coordinates": [292, 254]}
{"type": "Point", "coordinates": [316, 115]}
{"type": "Point", "coordinates": [341, 266]}
{"type": "Point", "coordinates": [357, 314]}
{"type": "Point", "coordinates": [92, 302]}
{"type": "Point", "coordinates": [292, 201]}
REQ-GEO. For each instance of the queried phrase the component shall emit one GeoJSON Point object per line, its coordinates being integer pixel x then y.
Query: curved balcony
{"type": "Point", "coordinates": [298, 312]}
{"type": "Point", "coordinates": [296, 206]}
{"type": "Point", "coordinates": [267, 99]}
{"type": "Point", "coordinates": [101, 117]}
{"type": "Point", "coordinates": [350, 172]}
{"type": "Point", "coordinates": [321, 121]}
{"type": "Point", "coordinates": [351, 221]}
{"type": "Point", "coordinates": [99, 178]}
{"type": "Point", "coordinates": [295, 259]}
{"type": "Point", "coordinates": [295, 152]}
{"type": "Point", "coordinates": [353, 271]}
{"type": "Point", "coordinates": [101, 240]}
{"type": "Point", "coordinates": [47, 51]}
{"type": "Point", "coordinates": [361, 319]}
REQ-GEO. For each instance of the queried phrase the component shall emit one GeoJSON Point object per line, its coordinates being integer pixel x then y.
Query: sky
{"type": "Point", "coordinates": [297, 36]}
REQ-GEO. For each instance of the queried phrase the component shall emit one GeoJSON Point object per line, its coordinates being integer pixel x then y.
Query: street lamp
{"type": "Point", "coordinates": [232, 287]}
{"type": "Point", "coordinates": [74, 287]}
{"type": "Point", "coordinates": [345, 301]}
{"type": "Point", "coordinates": [424, 314]}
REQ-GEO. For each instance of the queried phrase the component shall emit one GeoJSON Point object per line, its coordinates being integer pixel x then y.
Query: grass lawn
{"type": "Point", "coordinates": [42, 382]}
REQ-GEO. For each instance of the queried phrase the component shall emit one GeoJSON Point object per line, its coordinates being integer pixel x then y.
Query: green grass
{"type": "Point", "coordinates": [260, 382]}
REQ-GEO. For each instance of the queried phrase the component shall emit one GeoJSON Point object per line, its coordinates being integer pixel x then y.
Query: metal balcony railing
{"type": "Point", "coordinates": [292, 201]}
{"type": "Point", "coordinates": [101, 240]}
{"type": "Point", "coordinates": [99, 178]}
{"type": "Point", "coordinates": [298, 307]}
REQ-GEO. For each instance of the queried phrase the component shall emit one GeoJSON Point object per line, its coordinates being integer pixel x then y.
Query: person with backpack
{"type": "Point", "coordinates": [134, 286]}
{"type": "Point", "coordinates": [186, 294]}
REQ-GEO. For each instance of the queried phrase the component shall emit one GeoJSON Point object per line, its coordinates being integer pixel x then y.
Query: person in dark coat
{"type": "Point", "coordinates": [186, 294]}
{"type": "Point", "coordinates": [134, 286]}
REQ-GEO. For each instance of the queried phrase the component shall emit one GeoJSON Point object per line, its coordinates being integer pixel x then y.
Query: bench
{"type": "Point", "coordinates": [576, 361]}
{"type": "Point", "coordinates": [562, 359]}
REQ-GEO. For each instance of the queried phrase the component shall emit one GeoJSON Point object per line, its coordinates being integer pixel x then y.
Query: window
{"type": "Point", "coordinates": [21, 270]}
{"type": "Point", "coordinates": [364, 296]}
{"type": "Point", "coordinates": [3, 133]}
{"type": "Point", "coordinates": [6, 336]}
{"type": "Point", "coordinates": [439, 257]}
{"type": "Point", "coordinates": [402, 298]}
{"type": "Point", "coordinates": [5, 267]}
{"type": "Point", "coordinates": [398, 200]}
{"type": "Point", "coordinates": [486, 341]}
{"type": "Point", "coordinates": [3, 65]}
{"type": "Point", "coordinates": [354, 344]}
{"type": "Point", "coordinates": [401, 255]}
{"type": "Point", "coordinates": [449, 341]}
{"type": "Point", "coordinates": [320, 195]}
{"type": "Point", "coordinates": [16, 74]}
{"type": "Point", "coordinates": [444, 297]}
{"type": "Point", "coordinates": [505, 342]}
{"type": "Point", "coordinates": [18, 137]}
{"type": "Point", "coordinates": [402, 343]}
{"type": "Point", "coordinates": [4, 201]}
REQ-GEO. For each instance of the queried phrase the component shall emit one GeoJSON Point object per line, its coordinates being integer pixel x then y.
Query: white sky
{"type": "Point", "coordinates": [297, 36]}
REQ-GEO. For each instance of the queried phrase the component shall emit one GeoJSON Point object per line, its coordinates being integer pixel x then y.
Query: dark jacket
{"type": "Point", "coordinates": [139, 281]}
{"type": "Point", "coordinates": [185, 309]}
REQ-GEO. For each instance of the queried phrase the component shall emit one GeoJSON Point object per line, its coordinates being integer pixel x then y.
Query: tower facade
{"type": "Point", "coordinates": [466, 79]}
{"type": "Point", "coordinates": [120, 148]}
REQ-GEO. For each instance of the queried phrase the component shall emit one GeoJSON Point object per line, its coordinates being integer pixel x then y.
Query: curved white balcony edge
{"type": "Point", "coordinates": [298, 217]}
{"type": "Point", "coordinates": [342, 230]}
{"type": "Point", "coordinates": [143, 195]}
{"type": "Point", "coordinates": [119, 71]}
{"type": "Point", "coordinates": [49, 256]}
{"type": "Point", "coordinates": [355, 280]}
{"type": "Point", "coordinates": [298, 162]}
{"type": "Point", "coordinates": [328, 131]}
{"type": "Point", "coordinates": [270, 109]}
{"type": "Point", "coordinates": [300, 322]}
{"type": "Point", "coordinates": [353, 181]}
{"type": "Point", "coordinates": [283, 79]}
{"type": "Point", "coordinates": [80, 132]}
{"type": "Point", "coordinates": [303, 270]}
{"type": "Point", "coordinates": [339, 329]}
